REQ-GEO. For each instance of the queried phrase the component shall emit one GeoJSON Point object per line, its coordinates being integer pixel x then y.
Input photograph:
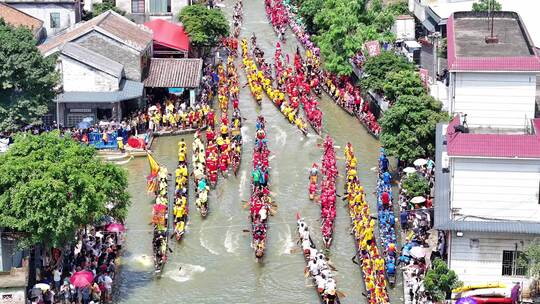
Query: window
{"type": "Point", "coordinates": [137, 6]}
{"type": "Point", "coordinates": [160, 6]}
{"type": "Point", "coordinates": [55, 20]}
{"type": "Point", "coordinates": [511, 265]}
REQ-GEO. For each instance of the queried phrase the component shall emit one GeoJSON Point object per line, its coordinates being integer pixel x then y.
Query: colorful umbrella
{"type": "Point", "coordinates": [115, 227]}
{"type": "Point", "coordinates": [417, 252]}
{"type": "Point", "coordinates": [81, 278]}
{"type": "Point", "coordinates": [467, 300]}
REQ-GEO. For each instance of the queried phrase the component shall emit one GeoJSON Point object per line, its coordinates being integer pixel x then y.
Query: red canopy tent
{"type": "Point", "coordinates": [169, 38]}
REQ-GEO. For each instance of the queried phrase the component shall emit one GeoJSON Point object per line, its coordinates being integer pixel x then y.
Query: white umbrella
{"type": "Point", "coordinates": [409, 170]}
{"type": "Point", "coordinates": [420, 162]}
{"type": "Point", "coordinates": [418, 200]}
{"type": "Point", "coordinates": [417, 252]}
{"type": "Point", "coordinates": [152, 108]}
{"type": "Point", "coordinates": [42, 286]}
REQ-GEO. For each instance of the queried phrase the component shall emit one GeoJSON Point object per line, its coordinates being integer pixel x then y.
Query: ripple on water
{"type": "Point", "coordinates": [186, 272]}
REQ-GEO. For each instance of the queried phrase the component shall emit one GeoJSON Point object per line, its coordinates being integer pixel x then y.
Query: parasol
{"type": "Point", "coordinates": [467, 300]}
{"type": "Point", "coordinates": [136, 142]}
{"type": "Point", "coordinates": [116, 227]}
{"type": "Point", "coordinates": [418, 200]}
{"type": "Point", "coordinates": [81, 278]}
{"type": "Point", "coordinates": [409, 170]}
{"type": "Point", "coordinates": [417, 252]}
{"type": "Point", "coordinates": [420, 162]}
{"type": "Point", "coordinates": [42, 286]}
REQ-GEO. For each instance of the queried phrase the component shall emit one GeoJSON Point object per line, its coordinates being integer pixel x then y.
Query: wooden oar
{"type": "Point", "coordinates": [341, 294]}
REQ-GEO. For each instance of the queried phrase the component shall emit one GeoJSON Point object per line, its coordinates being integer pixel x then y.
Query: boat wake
{"type": "Point", "coordinates": [242, 184]}
{"type": "Point", "coordinates": [204, 242]}
{"type": "Point", "coordinates": [143, 261]}
{"type": "Point", "coordinates": [281, 135]}
{"type": "Point", "coordinates": [288, 245]}
{"type": "Point", "coordinates": [231, 246]}
{"type": "Point", "coordinates": [186, 272]}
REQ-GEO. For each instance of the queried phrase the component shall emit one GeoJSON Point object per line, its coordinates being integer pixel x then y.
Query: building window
{"type": "Point", "coordinates": [512, 263]}
{"type": "Point", "coordinates": [55, 20]}
{"type": "Point", "coordinates": [160, 6]}
{"type": "Point", "coordinates": [137, 6]}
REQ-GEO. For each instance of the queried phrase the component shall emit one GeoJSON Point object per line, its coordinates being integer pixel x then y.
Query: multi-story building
{"type": "Point", "coordinates": [57, 15]}
{"type": "Point", "coordinates": [488, 157]}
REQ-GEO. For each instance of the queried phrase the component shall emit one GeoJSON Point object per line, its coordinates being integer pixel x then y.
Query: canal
{"type": "Point", "coordinates": [214, 262]}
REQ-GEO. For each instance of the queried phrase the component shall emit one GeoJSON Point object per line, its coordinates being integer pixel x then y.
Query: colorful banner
{"type": "Point", "coordinates": [424, 76]}
{"type": "Point", "coordinates": [373, 48]}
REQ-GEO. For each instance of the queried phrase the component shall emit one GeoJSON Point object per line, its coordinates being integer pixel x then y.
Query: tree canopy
{"type": "Point", "coordinates": [415, 185]}
{"type": "Point", "coordinates": [341, 27]}
{"type": "Point", "coordinates": [205, 27]}
{"type": "Point", "coordinates": [401, 83]}
{"type": "Point", "coordinates": [486, 5]}
{"type": "Point", "coordinates": [408, 127]}
{"type": "Point", "coordinates": [440, 280]}
{"type": "Point", "coordinates": [105, 6]}
{"type": "Point", "coordinates": [377, 68]}
{"type": "Point", "coordinates": [27, 80]}
{"type": "Point", "coordinates": [50, 186]}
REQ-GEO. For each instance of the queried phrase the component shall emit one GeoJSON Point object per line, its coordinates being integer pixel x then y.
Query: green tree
{"type": "Point", "coordinates": [408, 127]}
{"type": "Point", "coordinates": [50, 186]}
{"type": "Point", "coordinates": [405, 82]}
{"type": "Point", "coordinates": [205, 27]}
{"type": "Point", "coordinates": [308, 10]}
{"type": "Point", "coordinates": [415, 185]}
{"type": "Point", "coordinates": [376, 69]}
{"type": "Point", "coordinates": [486, 5]}
{"type": "Point", "coordinates": [27, 80]}
{"type": "Point", "coordinates": [440, 280]}
{"type": "Point", "coordinates": [105, 6]}
{"type": "Point", "coordinates": [531, 259]}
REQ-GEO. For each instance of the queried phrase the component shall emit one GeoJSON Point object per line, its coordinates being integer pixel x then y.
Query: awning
{"type": "Point", "coordinates": [169, 34]}
{"type": "Point", "coordinates": [428, 25]}
{"type": "Point", "coordinates": [174, 73]}
{"type": "Point", "coordinates": [128, 90]}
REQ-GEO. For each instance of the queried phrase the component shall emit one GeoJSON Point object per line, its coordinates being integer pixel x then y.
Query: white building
{"type": "Point", "coordinates": [146, 10]}
{"type": "Point", "coordinates": [487, 178]}
{"type": "Point", "coordinates": [493, 83]}
{"type": "Point", "coordinates": [57, 15]}
{"type": "Point", "coordinates": [487, 200]}
{"type": "Point", "coordinates": [434, 14]}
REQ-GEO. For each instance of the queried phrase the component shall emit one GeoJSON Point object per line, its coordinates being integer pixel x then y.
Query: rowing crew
{"type": "Point", "coordinates": [317, 265]}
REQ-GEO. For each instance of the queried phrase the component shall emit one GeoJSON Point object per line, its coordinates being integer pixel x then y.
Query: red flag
{"type": "Point", "coordinates": [373, 47]}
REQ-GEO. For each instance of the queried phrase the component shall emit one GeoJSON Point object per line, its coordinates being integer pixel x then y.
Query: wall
{"type": "Point", "coordinates": [484, 263]}
{"type": "Point", "coordinates": [69, 15]}
{"type": "Point", "coordinates": [496, 100]}
{"type": "Point", "coordinates": [12, 296]}
{"type": "Point", "coordinates": [112, 49]}
{"type": "Point", "coordinates": [79, 77]}
{"type": "Point", "coordinates": [404, 28]}
{"type": "Point", "coordinates": [495, 188]}
{"type": "Point", "coordinates": [176, 6]}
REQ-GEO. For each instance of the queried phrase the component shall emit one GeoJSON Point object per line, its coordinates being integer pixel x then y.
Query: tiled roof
{"type": "Point", "coordinates": [109, 23]}
{"type": "Point", "coordinates": [93, 59]}
{"type": "Point", "coordinates": [174, 73]}
{"type": "Point", "coordinates": [493, 145]}
{"type": "Point", "coordinates": [442, 216]}
{"type": "Point", "coordinates": [15, 17]}
{"type": "Point", "coordinates": [128, 90]}
{"type": "Point", "coordinates": [503, 62]}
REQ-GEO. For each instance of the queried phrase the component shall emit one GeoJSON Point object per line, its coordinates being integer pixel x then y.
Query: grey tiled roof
{"type": "Point", "coordinates": [174, 73]}
{"type": "Point", "coordinates": [93, 59]}
{"type": "Point", "coordinates": [442, 218]}
{"type": "Point", "coordinates": [129, 90]}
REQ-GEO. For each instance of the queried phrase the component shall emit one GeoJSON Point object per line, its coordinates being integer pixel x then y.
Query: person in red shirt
{"type": "Point", "coordinates": [385, 198]}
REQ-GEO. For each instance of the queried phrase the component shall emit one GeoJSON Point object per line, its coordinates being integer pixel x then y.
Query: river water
{"type": "Point", "coordinates": [214, 262]}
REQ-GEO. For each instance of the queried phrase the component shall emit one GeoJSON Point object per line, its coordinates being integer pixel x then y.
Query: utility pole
{"type": "Point", "coordinates": [435, 40]}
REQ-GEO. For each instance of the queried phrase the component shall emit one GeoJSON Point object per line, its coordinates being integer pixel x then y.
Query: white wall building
{"type": "Point", "coordinates": [57, 15]}
{"type": "Point", "coordinates": [146, 10]}
{"type": "Point", "coordinates": [487, 182]}
{"type": "Point", "coordinates": [487, 200]}
{"type": "Point", "coordinates": [493, 83]}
